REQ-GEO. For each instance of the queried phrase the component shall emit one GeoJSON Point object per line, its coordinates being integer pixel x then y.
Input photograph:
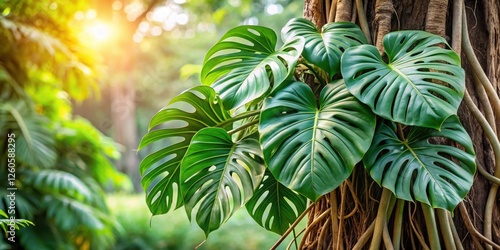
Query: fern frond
{"type": "Point", "coordinates": [35, 144]}
{"type": "Point", "coordinates": [57, 182]}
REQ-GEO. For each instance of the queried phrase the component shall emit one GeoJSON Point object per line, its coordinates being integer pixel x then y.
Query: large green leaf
{"type": "Point", "coordinates": [420, 168]}
{"type": "Point", "coordinates": [310, 147]}
{"type": "Point", "coordinates": [243, 64]}
{"type": "Point", "coordinates": [324, 48]}
{"type": "Point", "coordinates": [274, 206]}
{"type": "Point", "coordinates": [218, 176]}
{"type": "Point", "coordinates": [421, 85]}
{"type": "Point", "coordinates": [58, 182]}
{"type": "Point", "coordinates": [34, 140]}
{"type": "Point", "coordinates": [187, 113]}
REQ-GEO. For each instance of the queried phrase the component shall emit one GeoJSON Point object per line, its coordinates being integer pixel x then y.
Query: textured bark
{"type": "Point", "coordinates": [483, 18]}
{"type": "Point", "coordinates": [435, 20]}
{"type": "Point", "coordinates": [382, 22]}
{"type": "Point", "coordinates": [344, 10]}
{"type": "Point", "coordinates": [492, 19]}
{"type": "Point", "coordinates": [315, 11]}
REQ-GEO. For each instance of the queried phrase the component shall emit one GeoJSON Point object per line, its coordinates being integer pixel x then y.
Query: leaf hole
{"type": "Point", "coordinates": [194, 175]}
{"type": "Point", "coordinates": [377, 99]}
{"type": "Point", "coordinates": [174, 124]}
{"type": "Point", "coordinates": [175, 193]}
{"type": "Point", "coordinates": [230, 199]}
{"type": "Point", "coordinates": [364, 72]}
{"type": "Point", "coordinates": [156, 197]}
{"type": "Point", "coordinates": [221, 65]}
{"type": "Point", "coordinates": [292, 205]}
{"type": "Point", "coordinates": [253, 31]}
{"type": "Point", "coordinates": [260, 201]}
{"type": "Point", "coordinates": [354, 38]}
{"type": "Point", "coordinates": [164, 161]}
{"type": "Point", "coordinates": [327, 140]}
{"type": "Point", "coordinates": [240, 40]}
{"type": "Point", "coordinates": [198, 94]}
{"type": "Point", "coordinates": [267, 214]}
{"type": "Point", "coordinates": [437, 140]}
{"type": "Point", "coordinates": [402, 41]}
{"type": "Point", "coordinates": [416, 53]}
{"type": "Point", "coordinates": [224, 52]}
{"type": "Point", "coordinates": [415, 44]}
{"type": "Point", "coordinates": [184, 106]}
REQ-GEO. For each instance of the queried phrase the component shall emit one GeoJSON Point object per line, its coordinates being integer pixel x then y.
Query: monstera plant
{"type": "Point", "coordinates": [272, 129]}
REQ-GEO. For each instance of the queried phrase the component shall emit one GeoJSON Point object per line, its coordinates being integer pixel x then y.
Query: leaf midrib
{"type": "Point", "coordinates": [313, 146]}
{"type": "Point", "coordinates": [226, 164]}
{"type": "Point", "coordinates": [410, 149]}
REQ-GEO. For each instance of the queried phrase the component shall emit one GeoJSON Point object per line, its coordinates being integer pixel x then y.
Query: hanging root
{"type": "Point", "coordinates": [363, 23]}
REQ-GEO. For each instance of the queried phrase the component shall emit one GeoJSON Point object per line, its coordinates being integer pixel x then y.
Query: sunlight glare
{"type": "Point", "coordinates": [99, 31]}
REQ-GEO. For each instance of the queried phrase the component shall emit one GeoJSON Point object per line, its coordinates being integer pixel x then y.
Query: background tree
{"type": "Point", "coordinates": [62, 162]}
{"type": "Point", "coordinates": [163, 40]}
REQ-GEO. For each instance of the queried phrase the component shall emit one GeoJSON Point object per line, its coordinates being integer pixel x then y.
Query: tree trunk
{"type": "Point", "coordinates": [354, 205]}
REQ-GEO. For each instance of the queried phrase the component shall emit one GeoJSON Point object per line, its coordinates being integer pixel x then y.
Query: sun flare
{"type": "Point", "coordinates": [99, 32]}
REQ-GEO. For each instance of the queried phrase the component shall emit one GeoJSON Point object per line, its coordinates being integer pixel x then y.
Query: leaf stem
{"type": "Point", "coordinates": [239, 117]}
{"type": "Point", "coordinates": [387, 238]}
{"type": "Point", "coordinates": [275, 246]}
{"type": "Point", "coordinates": [334, 218]}
{"type": "Point", "coordinates": [446, 231]}
{"type": "Point", "coordinates": [242, 127]}
{"type": "Point", "coordinates": [364, 238]}
{"type": "Point", "coordinates": [381, 219]}
{"type": "Point", "coordinates": [362, 20]}
{"type": "Point", "coordinates": [400, 133]}
{"type": "Point", "coordinates": [456, 237]}
{"type": "Point", "coordinates": [430, 223]}
{"type": "Point", "coordinates": [398, 224]}
{"type": "Point", "coordinates": [320, 79]}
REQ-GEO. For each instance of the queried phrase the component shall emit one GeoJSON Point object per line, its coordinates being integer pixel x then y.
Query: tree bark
{"type": "Point", "coordinates": [361, 195]}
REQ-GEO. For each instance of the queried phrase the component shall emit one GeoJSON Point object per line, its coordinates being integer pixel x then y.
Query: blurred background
{"type": "Point", "coordinates": [79, 82]}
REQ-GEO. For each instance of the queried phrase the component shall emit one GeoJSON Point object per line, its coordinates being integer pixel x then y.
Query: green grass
{"type": "Point", "coordinates": [174, 231]}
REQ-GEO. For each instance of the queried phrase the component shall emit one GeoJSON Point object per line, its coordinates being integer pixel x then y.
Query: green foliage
{"type": "Point", "coordinates": [186, 114]}
{"type": "Point", "coordinates": [325, 48]}
{"type": "Point", "coordinates": [35, 142]}
{"type": "Point", "coordinates": [241, 81]}
{"type": "Point", "coordinates": [219, 175]}
{"type": "Point", "coordinates": [274, 206]}
{"type": "Point", "coordinates": [439, 181]}
{"type": "Point", "coordinates": [312, 148]}
{"type": "Point", "coordinates": [140, 231]}
{"type": "Point", "coordinates": [313, 134]}
{"type": "Point", "coordinates": [421, 85]}
{"type": "Point", "coordinates": [5, 222]}
{"type": "Point", "coordinates": [62, 164]}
